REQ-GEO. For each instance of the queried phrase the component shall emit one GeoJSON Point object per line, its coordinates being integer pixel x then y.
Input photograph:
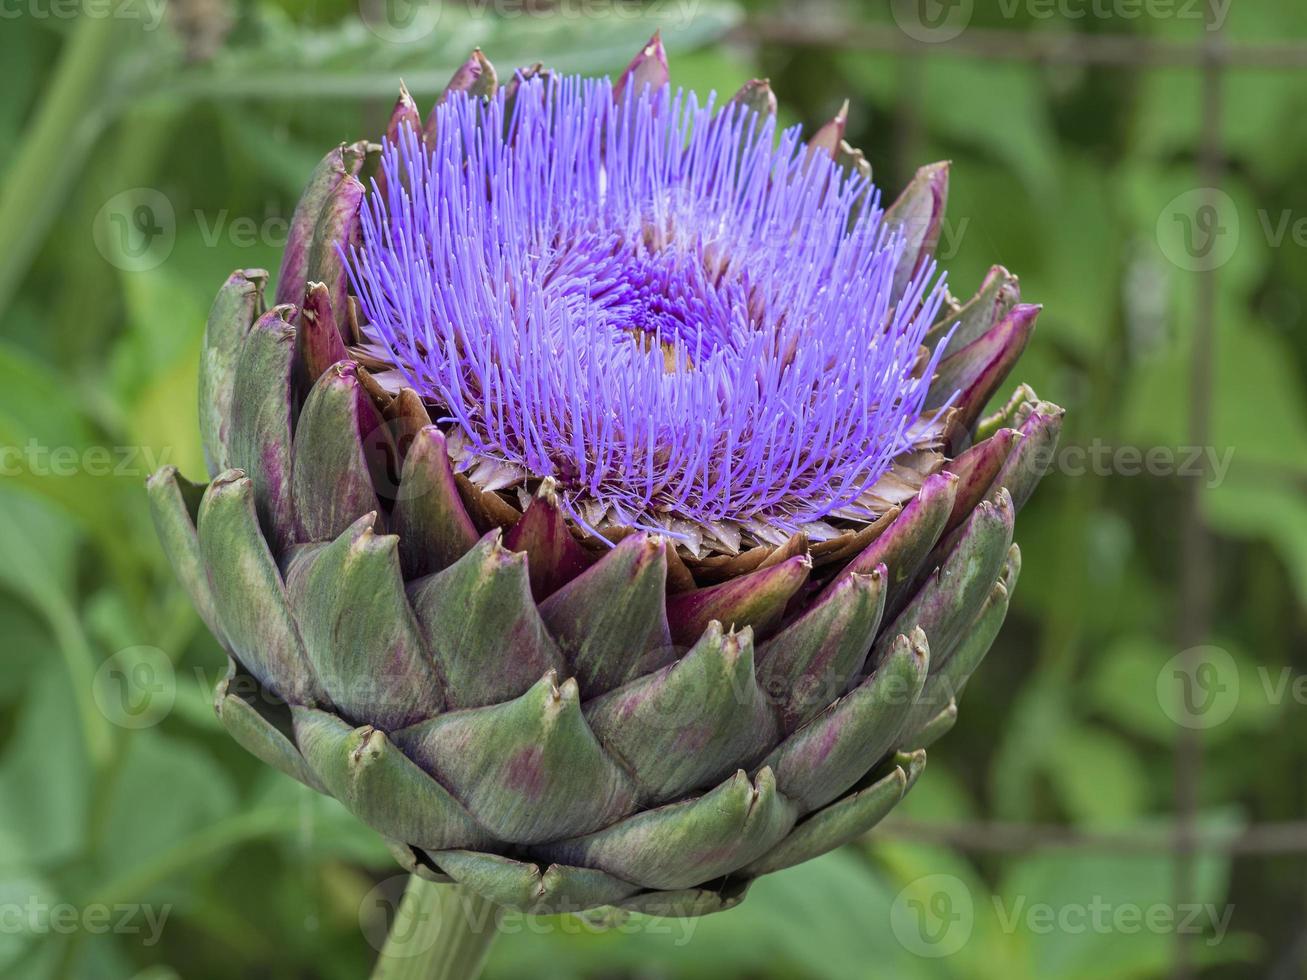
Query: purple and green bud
{"type": "Point", "coordinates": [604, 512]}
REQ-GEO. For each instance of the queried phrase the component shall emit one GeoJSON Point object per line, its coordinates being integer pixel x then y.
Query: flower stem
{"type": "Point", "coordinates": [54, 147]}
{"type": "Point", "coordinates": [441, 932]}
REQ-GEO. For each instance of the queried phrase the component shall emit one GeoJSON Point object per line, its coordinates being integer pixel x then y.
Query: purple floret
{"type": "Point", "coordinates": [675, 312]}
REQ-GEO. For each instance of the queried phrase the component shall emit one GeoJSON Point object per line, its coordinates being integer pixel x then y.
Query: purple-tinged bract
{"type": "Point", "coordinates": [674, 311]}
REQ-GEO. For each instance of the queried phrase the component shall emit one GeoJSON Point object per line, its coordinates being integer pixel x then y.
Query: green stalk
{"type": "Point", "coordinates": [441, 932]}
{"type": "Point", "coordinates": [54, 147]}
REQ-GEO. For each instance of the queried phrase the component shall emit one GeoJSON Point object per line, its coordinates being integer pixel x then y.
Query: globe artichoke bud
{"type": "Point", "coordinates": [603, 512]}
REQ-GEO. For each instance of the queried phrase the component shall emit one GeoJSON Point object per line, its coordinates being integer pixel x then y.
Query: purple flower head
{"type": "Point", "coordinates": [682, 317]}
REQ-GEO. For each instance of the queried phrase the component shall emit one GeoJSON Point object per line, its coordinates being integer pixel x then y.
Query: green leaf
{"type": "Point", "coordinates": [1274, 511]}
{"type": "Point", "coordinates": [39, 550]}
{"type": "Point", "coordinates": [352, 61]}
{"type": "Point", "coordinates": [168, 789]}
{"type": "Point", "coordinates": [1086, 916]}
{"type": "Point", "coordinates": [38, 568]}
{"type": "Point", "coordinates": [45, 773]}
{"type": "Point", "coordinates": [826, 919]}
{"type": "Point", "coordinates": [997, 109]}
{"type": "Point", "coordinates": [23, 891]}
{"type": "Point", "coordinates": [1097, 776]}
{"type": "Point", "coordinates": [48, 449]}
{"type": "Point", "coordinates": [1123, 686]}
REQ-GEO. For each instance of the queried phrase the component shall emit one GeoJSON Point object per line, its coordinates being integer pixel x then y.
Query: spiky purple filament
{"type": "Point", "coordinates": [674, 312]}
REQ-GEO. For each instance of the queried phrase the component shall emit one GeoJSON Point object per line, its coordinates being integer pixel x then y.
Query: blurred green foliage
{"type": "Point", "coordinates": [1061, 172]}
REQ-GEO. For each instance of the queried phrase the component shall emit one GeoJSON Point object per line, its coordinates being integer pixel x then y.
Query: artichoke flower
{"type": "Point", "coordinates": [604, 512]}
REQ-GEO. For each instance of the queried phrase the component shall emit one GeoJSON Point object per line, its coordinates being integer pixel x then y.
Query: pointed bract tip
{"type": "Point", "coordinates": [520, 75]}
{"type": "Point", "coordinates": [252, 277]}
{"type": "Point", "coordinates": [475, 76]}
{"type": "Point", "coordinates": [371, 743]}
{"type": "Point", "coordinates": [404, 113]}
{"type": "Point", "coordinates": [829, 136]}
{"type": "Point", "coordinates": [550, 682]}
{"type": "Point", "coordinates": [343, 371]}
{"type": "Point", "coordinates": [648, 68]}
{"type": "Point", "coordinates": [1023, 316]}
{"type": "Point", "coordinates": [162, 475]}
{"type": "Point", "coordinates": [228, 478]}
{"type": "Point", "coordinates": [729, 639]}
{"type": "Point", "coordinates": [756, 95]}
{"type": "Point", "coordinates": [363, 536]}
{"type": "Point", "coordinates": [650, 543]}
{"type": "Point", "coordinates": [567, 691]}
